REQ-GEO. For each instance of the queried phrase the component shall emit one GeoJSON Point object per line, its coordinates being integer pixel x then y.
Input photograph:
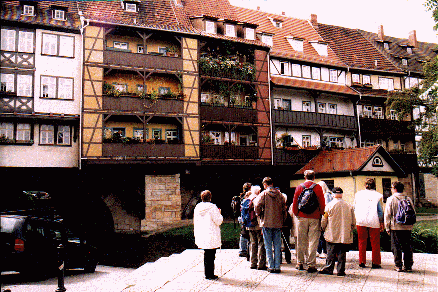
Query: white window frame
{"type": "Point", "coordinates": [8, 39]}
{"type": "Point", "coordinates": [287, 104]}
{"type": "Point", "coordinates": [307, 106]}
{"type": "Point", "coordinates": [296, 70]}
{"type": "Point", "coordinates": [7, 130]}
{"type": "Point", "coordinates": [386, 83]}
{"type": "Point", "coordinates": [393, 115]}
{"type": "Point", "coordinates": [171, 135]}
{"type": "Point", "coordinates": [121, 87]}
{"type": "Point", "coordinates": [57, 87]}
{"type": "Point", "coordinates": [47, 134]}
{"type": "Point", "coordinates": [355, 78]}
{"type": "Point", "coordinates": [230, 30]}
{"type": "Point", "coordinates": [367, 111]}
{"type": "Point", "coordinates": [307, 72]}
{"type": "Point", "coordinates": [339, 141]}
{"type": "Point", "coordinates": [140, 49]}
{"type": "Point", "coordinates": [267, 39]}
{"type": "Point", "coordinates": [409, 50]}
{"type": "Point", "coordinates": [332, 109]}
{"type": "Point", "coordinates": [404, 61]}
{"type": "Point", "coordinates": [386, 45]}
{"type": "Point", "coordinates": [216, 136]}
{"type": "Point", "coordinates": [322, 107]}
{"type": "Point", "coordinates": [210, 27]}
{"type": "Point", "coordinates": [316, 73]}
{"type": "Point", "coordinates": [7, 82]}
{"type": "Point", "coordinates": [120, 45]}
{"type": "Point", "coordinates": [26, 41]}
{"type": "Point", "coordinates": [24, 85]}
{"type": "Point", "coordinates": [284, 68]}
{"type": "Point", "coordinates": [130, 7]}
{"type": "Point", "coordinates": [58, 14]}
{"type": "Point", "coordinates": [140, 133]}
{"type": "Point", "coordinates": [378, 112]}
{"type": "Point", "coordinates": [249, 33]}
{"type": "Point", "coordinates": [306, 141]}
{"type": "Point", "coordinates": [63, 135]}
{"type": "Point", "coordinates": [28, 10]}
{"type": "Point", "coordinates": [366, 79]}
{"type": "Point", "coordinates": [58, 45]}
{"type": "Point", "coordinates": [333, 75]}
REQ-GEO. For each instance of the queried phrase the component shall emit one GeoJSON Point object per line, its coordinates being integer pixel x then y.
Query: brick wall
{"type": "Point", "coordinates": [163, 201]}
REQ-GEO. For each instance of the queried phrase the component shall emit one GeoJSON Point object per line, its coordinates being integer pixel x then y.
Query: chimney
{"type": "Point", "coordinates": [314, 20]}
{"type": "Point", "coordinates": [413, 38]}
{"type": "Point", "coordinates": [380, 33]}
{"type": "Point", "coordinates": [258, 8]}
{"type": "Point", "coordinates": [283, 13]}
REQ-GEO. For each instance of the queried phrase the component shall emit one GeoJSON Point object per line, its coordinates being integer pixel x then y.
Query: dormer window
{"type": "Point", "coordinates": [386, 45]}
{"type": "Point", "coordinates": [210, 27]}
{"type": "Point", "coordinates": [28, 10]}
{"type": "Point", "coordinates": [58, 14]}
{"type": "Point", "coordinates": [409, 50]}
{"type": "Point", "coordinates": [267, 39]}
{"type": "Point", "coordinates": [404, 62]}
{"type": "Point", "coordinates": [355, 78]}
{"type": "Point", "coordinates": [131, 7]}
{"type": "Point", "coordinates": [321, 48]}
{"type": "Point", "coordinates": [249, 33]}
{"type": "Point", "coordinates": [230, 30]}
{"type": "Point", "coordinates": [297, 44]}
{"type": "Point", "coordinates": [366, 79]}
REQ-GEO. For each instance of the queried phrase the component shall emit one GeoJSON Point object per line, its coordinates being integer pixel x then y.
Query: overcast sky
{"type": "Point", "coordinates": [398, 17]}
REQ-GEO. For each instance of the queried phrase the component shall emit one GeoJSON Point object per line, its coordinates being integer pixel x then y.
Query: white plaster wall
{"type": "Point", "coordinates": [60, 67]}
{"type": "Point", "coordinates": [40, 156]}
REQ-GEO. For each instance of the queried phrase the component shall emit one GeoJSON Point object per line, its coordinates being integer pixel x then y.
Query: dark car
{"type": "Point", "coordinates": [29, 244]}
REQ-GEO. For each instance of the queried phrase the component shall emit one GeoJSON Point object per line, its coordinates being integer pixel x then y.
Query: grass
{"type": "Point", "coordinates": [427, 211]}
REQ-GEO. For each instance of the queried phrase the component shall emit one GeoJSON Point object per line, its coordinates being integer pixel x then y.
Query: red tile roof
{"type": "Point", "coordinates": [291, 27]}
{"type": "Point", "coordinates": [354, 49]}
{"type": "Point", "coordinates": [213, 8]}
{"type": "Point", "coordinates": [332, 161]}
{"type": "Point", "coordinates": [307, 84]}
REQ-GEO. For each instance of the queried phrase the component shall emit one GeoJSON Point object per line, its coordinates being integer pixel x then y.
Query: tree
{"type": "Point", "coordinates": [423, 102]}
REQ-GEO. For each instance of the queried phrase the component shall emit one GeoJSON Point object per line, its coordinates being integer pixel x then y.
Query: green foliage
{"type": "Point", "coordinates": [432, 5]}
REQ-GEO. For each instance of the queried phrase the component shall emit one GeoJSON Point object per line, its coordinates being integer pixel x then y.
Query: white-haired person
{"type": "Point", "coordinates": [207, 219]}
{"type": "Point", "coordinates": [328, 197]}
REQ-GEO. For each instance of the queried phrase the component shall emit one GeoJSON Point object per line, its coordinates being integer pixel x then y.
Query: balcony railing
{"type": "Point", "coordinates": [312, 119]}
{"type": "Point", "coordinates": [15, 59]}
{"type": "Point", "coordinates": [136, 104]}
{"type": "Point", "coordinates": [142, 150]}
{"type": "Point", "coordinates": [226, 68]}
{"type": "Point", "coordinates": [229, 152]}
{"type": "Point", "coordinates": [293, 157]}
{"type": "Point", "coordinates": [159, 62]}
{"type": "Point", "coordinates": [228, 114]}
{"type": "Point", "coordinates": [378, 128]}
{"type": "Point", "coordinates": [11, 103]}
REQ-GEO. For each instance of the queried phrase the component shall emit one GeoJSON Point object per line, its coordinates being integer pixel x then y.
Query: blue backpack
{"type": "Point", "coordinates": [405, 212]}
{"type": "Point", "coordinates": [247, 213]}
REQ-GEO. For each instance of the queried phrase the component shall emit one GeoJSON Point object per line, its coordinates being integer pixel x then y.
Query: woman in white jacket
{"type": "Point", "coordinates": [207, 219]}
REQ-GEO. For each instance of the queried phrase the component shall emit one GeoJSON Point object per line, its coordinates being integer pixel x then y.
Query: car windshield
{"type": "Point", "coordinates": [10, 224]}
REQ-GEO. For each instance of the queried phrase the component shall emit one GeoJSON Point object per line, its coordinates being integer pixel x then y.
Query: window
{"type": "Point", "coordinates": [141, 88]}
{"type": "Point", "coordinates": [368, 143]}
{"type": "Point", "coordinates": [210, 27]}
{"type": "Point", "coordinates": [333, 75]}
{"type": "Point", "coordinates": [321, 107]}
{"type": "Point", "coordinates": [249, 33]}
{"type": "Point", "coordinates": [393, 115]}
{"type": "Point", "coordinates": [141, 133]}
{"type": "Point", "coordinates": [243, 140]}
{"type": "Point", "coordinates": [411, 82]}
{"type": "Point", "coordinates": [386, 45]}
{"type": "Point", "coordinates": [121, 45]}
{"type": "Point", "coordinates": [156, 134]}
{"type": "Point", "coordinates": [306, 72]}
{"type": "Point", "coordinates": [367, 111]}
{"type": "Point", "coordinates": [306, 141]}
{"type": "Point", "coordinates": [284, 68]}
{"type": "Point", "coordinates": [336, 142]}
{"type": "Point", "coordinates": [7, 130]}
{"type": "Point", "coordinates": [23, 132]}
{"type": "Point", "coordinates": [49, 132]}
{"type": "Point", "coordinates": [217, 137]}
{"type": "Point", "coordinates": [306, 106]}
{"type": "Point", "coordinates": [355, 78]}
{"type": "Point", "coordinates": [287, 104]}
{"type": "Point", "coordinates": [131, 7]}
{"type": "Point", "coordinates": [320, 48]}
{"type": "Point", "coordinates": [140, 49]}
{"type": "Point", "coordinates": [24, 85]}
{"type": "Point", "coordinates": [205, 97]}
{"type": "Point", "coordinates": [7, 82]}
{"type": "Point", "coordinates": [28, 10]}
{"type": "Point", "coordinates": [8, 39]}
{"type": "Point", "coordinates": [366, 79]}
{"type": "Point", "coordinates": [277, 23]}
{"type": "Point", "coordinates": [171, 135]}
{"type": "Point", "coordinates": [58, 45]}
{"type": "Point", "coordinates": [162, 50]}
{"type": "Point", "coordinates": [316, 73]}
{"type": "Point", "coordinates": [386, 83]}
{"type": "Point", "coordinates": [378, 112]}
{"type": "Point", "coordinates": [56, 87]}
{"type": "Point", "coordinates": [121, 87]}
{"type": "Point", "coordinates": [58, 14]}
{"type": "Point", "coordinates": [409, 50]}
{"type": "Point", "coordinates": [267, 39]}
{"type": "Point", "coordinates": [25, 41]}
{"type": "Point", "coordinates": [163, 90]}
{"type": "Point", "coordinates": [297, 44]}
{"type": "Point", "coordinates": [63, 135]}
{"type": "Point", "coordinates": [119, 131]}
{"type": "Point", "coordinates": [296, 70]}
{"type": "Point", "coordinates": [332, 109]}
{"type": "Point", "coordinates": [229, 30]}
{"type": "Point", "coordinates": [404, 62]}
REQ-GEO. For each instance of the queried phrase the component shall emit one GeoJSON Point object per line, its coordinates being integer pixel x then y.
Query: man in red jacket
{"type": "Point", "coordinates": [308, 225]}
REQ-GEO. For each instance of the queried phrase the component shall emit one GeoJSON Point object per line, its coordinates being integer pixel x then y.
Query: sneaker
{"type": "Point", "coordinates": [398, 269]}
{"type": "Point", "coordinates": [311, 270]}
{"type": "Point", "coordinates": [325, 272]}
{"type": "Point", "coordinates": [264, 268]}
{"type": "Point", "coordinates": [253, 267]}
{"type": "Point", "coordinates": [274, 271]}
{"type": "Point", "coordinates": [408, 269]}
{"type": "Point", "coordinates": [214, 277]}
{"type": "Point", "coordinates": [375, 266]}
{"type": "Point", "coordinates": [299, 267]}
{"type": "Point", "coordinates": [362, 265]}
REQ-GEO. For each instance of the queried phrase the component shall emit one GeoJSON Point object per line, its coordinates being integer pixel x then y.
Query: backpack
{"type": "Point", "coordinates": [307, 200]}
{"type": "Point", "coordinates": [405, 212]}
{"type": "Point", "coordinates": [249, 218]}
{"type": "Point", "coordinates": [235, 206]}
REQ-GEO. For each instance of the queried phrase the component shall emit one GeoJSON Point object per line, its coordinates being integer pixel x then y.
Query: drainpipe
{"type": "Point", "coordinates": [271, 123]}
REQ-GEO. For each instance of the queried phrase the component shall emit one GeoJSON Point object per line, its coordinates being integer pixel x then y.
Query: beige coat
{"type": "Point", "coordinates": [338, 222]}
{"type": "Point", "coordinates": [391, 210]}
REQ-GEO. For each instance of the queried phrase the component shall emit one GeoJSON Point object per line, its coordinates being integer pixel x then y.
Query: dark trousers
{"type": "Point", "coordinates": [321, 245]}
{"type": "Point", "coordinates": [336, 251]}
{"type": "Point", "coordinates": [286, 243]}
{"type": "Point", "coordinates": [401, 244]}
{"type": "Point", "coordinates": [209, 256]}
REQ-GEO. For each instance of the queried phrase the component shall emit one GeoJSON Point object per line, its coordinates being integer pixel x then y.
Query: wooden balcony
{"type": "Point", "coordinates": [11, 103]}
{"type": "Point", "coordinates": [228, 114]}
{"type": "Point", "coordinates": [312, 119]}
{"type": "Point", "coordinates": [293, 157]}
{"type": "Point", "coordinates": [142, 61]}
{"type": "Point", "coordinates": [382, 128]}
{"type": "Point", "coordinates": [229, 152]}
{"type": "Point", "coordinates": [143, 150]}
{"type": "Point", "coordinates": [136, 104]}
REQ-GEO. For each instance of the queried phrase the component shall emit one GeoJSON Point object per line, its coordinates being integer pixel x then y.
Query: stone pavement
{"type": "Point", "coordinates": [185, 272]}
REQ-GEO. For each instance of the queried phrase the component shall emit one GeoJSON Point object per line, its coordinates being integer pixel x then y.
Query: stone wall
{"type": "Point", "coordinates": [163, 201]}
{"type": "Point", "coordinates": [123, 222]}
{"type": "Point", "coordinates": [431, 188]}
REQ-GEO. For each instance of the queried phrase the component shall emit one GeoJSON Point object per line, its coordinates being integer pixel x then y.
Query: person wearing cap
{"type": "Point", "coordinates": [338, 223]}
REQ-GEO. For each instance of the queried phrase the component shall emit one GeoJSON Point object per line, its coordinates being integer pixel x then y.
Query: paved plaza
{"type": "Point", "coordinates": [184, 272]}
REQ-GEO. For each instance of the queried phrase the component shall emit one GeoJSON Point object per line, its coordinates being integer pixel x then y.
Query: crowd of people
{"type": "Point", "coordinates": [321, 228]}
